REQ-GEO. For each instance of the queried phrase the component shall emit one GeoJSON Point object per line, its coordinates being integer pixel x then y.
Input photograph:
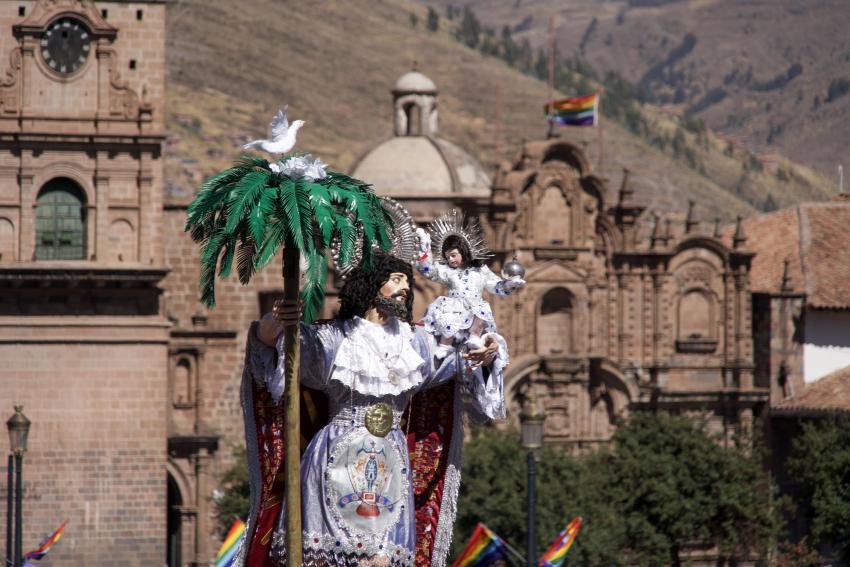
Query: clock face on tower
{"type": "Point", "coordinates": [65, 45]}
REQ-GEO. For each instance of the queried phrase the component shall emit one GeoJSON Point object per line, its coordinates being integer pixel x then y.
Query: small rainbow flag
{"type": "Point", "coordinates": [45, 544]}
{"type": "Point", "coordinates": [575, 111]}
{"type": "Point", "coordinates": [557, 552]}
{"type": "Point", "coordinates": [483, 548]}
{"type": "Point", "coordinates": [228, 549]}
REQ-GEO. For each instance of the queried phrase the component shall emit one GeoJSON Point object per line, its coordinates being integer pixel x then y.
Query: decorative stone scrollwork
{"type": "Point", "coordinates": [694, 276]}
{"type": "Point", "coordinates": [123, 101]}
{"type": "Point", "coordinates": [10, 99]}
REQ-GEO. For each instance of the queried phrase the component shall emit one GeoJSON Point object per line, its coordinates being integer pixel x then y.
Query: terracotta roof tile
{"type": "Point", "coordinates": [825, 238]}
{"type": "Point", "coordinates": [829, 394]}
{"type": "Point", "coordinates": [815, 238]}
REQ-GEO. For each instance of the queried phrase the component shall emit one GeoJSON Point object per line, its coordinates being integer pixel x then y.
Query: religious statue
{"type": "Point", "coordinates": [380, 430]}
{"type": "Point", "coordinates": [360, 472]}
{"type": "Point", "coordinates": [462, 315]}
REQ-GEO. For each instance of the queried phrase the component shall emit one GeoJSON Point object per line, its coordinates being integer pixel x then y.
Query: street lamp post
{"type": "Point", "coordinates": [19, 427]}
{"type": "Point", "coordinates": [531, 419]}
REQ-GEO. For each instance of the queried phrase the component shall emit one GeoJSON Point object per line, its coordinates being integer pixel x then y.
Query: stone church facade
{"type": "Point", "coordinates": [133, 386]}
{"type": "Point", "coordinates": [608, 322]}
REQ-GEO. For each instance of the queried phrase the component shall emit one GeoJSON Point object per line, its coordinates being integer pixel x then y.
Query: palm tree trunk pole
{"type": "Point", "coordinates": [292, 434]}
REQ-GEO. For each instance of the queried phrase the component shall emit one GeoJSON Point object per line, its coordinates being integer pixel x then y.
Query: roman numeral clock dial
{"type": "Point", "coordinates": [65, 46]}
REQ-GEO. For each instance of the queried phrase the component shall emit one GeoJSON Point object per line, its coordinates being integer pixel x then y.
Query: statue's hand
{"type": "Point", "coordinates": [285, 313]}
{"type": "Point", "coordinates": [483, 355]}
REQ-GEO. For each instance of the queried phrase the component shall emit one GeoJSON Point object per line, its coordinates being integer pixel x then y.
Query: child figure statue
{"type": "Point", "coordinates": [462, 315]}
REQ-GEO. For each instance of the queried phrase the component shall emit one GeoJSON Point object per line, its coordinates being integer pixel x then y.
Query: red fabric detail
{"type": "Point", "coordinates": [269, 421]}
{"type": "Point", "coordinates": [429, 440]}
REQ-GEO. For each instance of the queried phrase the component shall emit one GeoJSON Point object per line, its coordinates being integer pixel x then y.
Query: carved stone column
{"type": "Point", "coordinates": [100, 248]}
{"type": "Point", "coordinates": [26, 242]}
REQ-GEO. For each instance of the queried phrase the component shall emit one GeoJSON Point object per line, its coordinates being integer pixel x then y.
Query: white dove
{"type": "Point", "coordinates": [282, 135]}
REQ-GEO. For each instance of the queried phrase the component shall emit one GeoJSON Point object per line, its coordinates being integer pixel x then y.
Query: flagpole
{"type": "Point", "coordinates": [507, 545]}
{"type": "Point", "coordinates": [551, 66]}
{"type": "Point", "coordinates": [599, 126]}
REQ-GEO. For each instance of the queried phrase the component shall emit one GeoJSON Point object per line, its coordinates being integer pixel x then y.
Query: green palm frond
{"type": "Point", "coordinates": [245, 260]}
{"type": "Point", "coordinates": [313, 292]}
{"type": "Point", "coordinates": [247, 213]}
{"type": "Point", "coordinates": [244, 197]}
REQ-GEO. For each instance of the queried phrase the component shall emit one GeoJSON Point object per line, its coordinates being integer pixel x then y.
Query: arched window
{"type": "Point", "coordinates": [695, 320]}
{"type": "Point", "coordinates": [554, 322]}
{"type": "Point", "coordinates": [60, 221]}
{"type": "Point", "coordinates": [552, 225]}
{"type": "Point", "coordinates": [414, 119]}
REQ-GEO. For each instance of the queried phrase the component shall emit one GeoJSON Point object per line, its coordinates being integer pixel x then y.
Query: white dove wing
{"type": "Point", "coordinates": [280, 124]}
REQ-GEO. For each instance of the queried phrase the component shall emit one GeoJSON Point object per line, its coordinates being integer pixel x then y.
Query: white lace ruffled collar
{"type": "Point", "coordinates": [377, 360]}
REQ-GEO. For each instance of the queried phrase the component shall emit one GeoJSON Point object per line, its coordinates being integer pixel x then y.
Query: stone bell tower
{"type": "Point", "coordinates": [83, 343]}
{"type": "Point", "coordinates": [415, 104]}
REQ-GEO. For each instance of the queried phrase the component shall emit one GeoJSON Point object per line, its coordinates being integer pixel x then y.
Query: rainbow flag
{"type": "Point", "coordinates": [228, 549]}
{"type": "Point", "coordinates": [483, 548]}
{"type": "Point", "coordinates": [45, 544]}
{"type": "Point", "coordinates": [575, 111]}
{"type": "Point", "coordinates": [557, 552]}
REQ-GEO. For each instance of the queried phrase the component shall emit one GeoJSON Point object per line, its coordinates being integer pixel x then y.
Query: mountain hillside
{"type": "Point", "coordinates": [231, 65]}
{"type": "Point", "coordinates": [774, 75]}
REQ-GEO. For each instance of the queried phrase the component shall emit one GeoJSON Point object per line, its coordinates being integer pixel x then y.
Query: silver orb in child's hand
{"type": "Point", "coordinates": [513, 269]}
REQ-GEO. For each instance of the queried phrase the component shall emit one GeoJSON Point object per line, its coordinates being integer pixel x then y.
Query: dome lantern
{"type": "Point", "coordinates": [415, 105]}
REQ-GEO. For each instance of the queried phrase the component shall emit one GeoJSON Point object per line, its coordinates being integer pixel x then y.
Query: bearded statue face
{"type": "Point", "coordinates": [392, 296]}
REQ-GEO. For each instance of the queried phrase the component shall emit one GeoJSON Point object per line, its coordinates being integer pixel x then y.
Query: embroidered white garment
{"type": "Point", "coordinates": [377, 360]}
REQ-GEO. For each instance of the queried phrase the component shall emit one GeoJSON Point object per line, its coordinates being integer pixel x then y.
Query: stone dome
{"type": "Point", "coordinates": [414, 82]}
{"type": "Point", "coordinates": [416, 163]}
{"type": "Point", "coordinates": [422, 166]}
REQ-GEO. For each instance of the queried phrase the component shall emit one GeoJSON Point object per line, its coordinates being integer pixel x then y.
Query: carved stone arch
{"type": "Point", "coordinates": [556, 183]}
{"type": "Point", "coordinates": [181, 480]}
{"type": "Point", "coordinates": [608, 237]}
{"type": "Point", "coordinates": [72, 172]}
{"type": "Point", "coordinates": [8, 240]}
{"type": "Point", "coordinates": [704, 242]}
{"type": "Point", "coordinates": [181, 511]}
{"type": "Point", "coordinates": [568, 153]}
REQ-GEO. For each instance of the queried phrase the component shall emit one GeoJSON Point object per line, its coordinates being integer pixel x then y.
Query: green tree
{"type": "Point", "coordinates": [236, 494]}
{"type": "Point", "coordinates": [433, 19]}
{"type": "Point", "coordinates": [470, 28]}
{"type": "Point", "coordinates": [664, 483]}
{"type": "Point", "coordinates": [508, 46]}
{"type": "Point", "coordinates": [494, 491]}
{"type": "Point", "coordinates": [675, 485]}
{"type": "Point", "coordinates": [820, 465]}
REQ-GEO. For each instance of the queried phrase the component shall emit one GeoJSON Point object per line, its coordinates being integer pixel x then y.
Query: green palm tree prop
{"type": "Point", "coordinates": [248, 213]}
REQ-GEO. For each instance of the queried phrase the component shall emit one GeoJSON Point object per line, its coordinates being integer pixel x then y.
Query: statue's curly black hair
{"type": "Point", "coordinates": [454, 241]}
{"type": "Point", "coordinates": [360, 289]}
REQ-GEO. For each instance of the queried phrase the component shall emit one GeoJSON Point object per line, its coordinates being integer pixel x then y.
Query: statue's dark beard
{"type": "Point", "coordinates": [390, 307]}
